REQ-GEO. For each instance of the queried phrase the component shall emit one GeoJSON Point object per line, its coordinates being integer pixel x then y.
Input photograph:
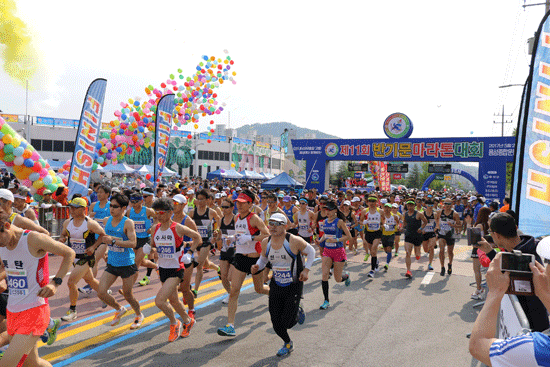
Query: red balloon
{"type": "Point", "coordinates": [148, 176]}
{"type": "Point", "coordinates": [209, 141]}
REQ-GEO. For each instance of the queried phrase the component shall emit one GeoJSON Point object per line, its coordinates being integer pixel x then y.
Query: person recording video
{"type": "Point", "coordinates": [503, 230]}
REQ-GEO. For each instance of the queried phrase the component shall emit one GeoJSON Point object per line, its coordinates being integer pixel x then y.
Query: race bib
{"type": "Point", "coordinates": [17, 282]}
{"type": "Point", "coordinates": [140, 226]}
{"type": "Point", "coordinates": [304, 227]}
{"type": "Point", "coordinates": [79, 246]}
{"type": "Point", "coordinates": [282, 275]}
{"type": "Point", "coordinates": [330, 237]}
{"type": "Point", "coordinates": [115, 248]}
{"type": "Point", "coordinates": [373, 226]}
{"type": "Point", "coordinates": [445, 227]}
{"type": "Point", "coordinates": [166, 251]}
{"type": "Point", "coordinates": [204, 231]}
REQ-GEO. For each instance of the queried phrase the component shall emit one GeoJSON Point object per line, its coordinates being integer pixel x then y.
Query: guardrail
{"type": "Point", "coordinates": [512, 320]}
{"type": "Point", "coordinates": [52, 219]}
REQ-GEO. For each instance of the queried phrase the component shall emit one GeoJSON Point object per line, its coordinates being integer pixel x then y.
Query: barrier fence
{"type": "Point", "coordinates": [52, 219]}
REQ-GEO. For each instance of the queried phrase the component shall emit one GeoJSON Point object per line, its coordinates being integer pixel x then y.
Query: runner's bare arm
{"type": "Point", "coordinates": [25, 223]}
{"type": "Point", "coordinates": [195, 236]}
{"type": "Point", "coordinates": [258, 223]}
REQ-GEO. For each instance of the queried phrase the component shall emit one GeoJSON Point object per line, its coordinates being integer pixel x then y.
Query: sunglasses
{"type": "Point", "coordinates": [225, 207]}
{"type": "Point", "coordinates": [161, 212]}
{"type": "Point", "coordinates": [275, 224]}
{"type": "Point", "coordinates": [115, 206]}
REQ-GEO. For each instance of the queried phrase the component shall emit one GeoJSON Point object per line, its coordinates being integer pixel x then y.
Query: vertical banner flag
{"type": "Point", "coordinates": [87, 138]}
{"type": "Point", "coordinates": [533, 170]}
{"type": "Point", "coordinates": [385, 184]}
{"type": "Point", "coordinates": [163, 126]}
{"type": "Point", "coordinates": [374, 170]}
{"type": "Point", "coordinates": [518, 157]}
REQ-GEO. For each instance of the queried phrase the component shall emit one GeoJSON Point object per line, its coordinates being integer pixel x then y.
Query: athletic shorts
{"type": "Point", "coordinates": [204, 245]}
{"type": "Point", "coordinates": [336, 254]}
{"type": "Point", "coordinates": [227, 255]}
{"type": "Point", "coordinates": [32, 321]}
{"type": "Point", "coordinates": [85, 259]}
{"type": "Point", "coordinates": [122, 271]}
{"type": "Point", "coordinates": [388, 241]}
{"type": "Point", "coordinates": [352, 232]}
{"type": "Point", "coordinates": [142, 241]}
{"type": "Point", "coordinates": [426, 236]}
{"type": "Point", "coordinates": [307, 239]}
{"type": "Point", "coordinates": [474, 254]}
{"type": "Point", "coordinates": [165, 273]}
{"type": "Point", "coordinates": [244, 263]}
{"type": "Point", "coordinates": [449, 239]}
{"type": "Point", "coordinates": [371, 236]}
{"type": "Point", "coordinates": [397, 233]}
{"type": "Point", "coordinates": [293, 231]}
{"type": "Point", "coordinates": [3, 303]}
{"type": "Point", "coordinates": [415, 240]}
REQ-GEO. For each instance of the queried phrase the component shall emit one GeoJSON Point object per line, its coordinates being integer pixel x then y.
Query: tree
{"type": "Point", "coordinates": [413, 178]}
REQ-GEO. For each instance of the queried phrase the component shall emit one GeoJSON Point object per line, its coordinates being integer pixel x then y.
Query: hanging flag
{"type": "Point", "coordinates": [532, 164]}
{"type": "Point", "coordinates": [163, 126]}
{"type": "Point", "coordinates": [87, 139]}
{"type": "Point", "coordinates": [384, 177]}
{"type": "Point", "coordinates": [518, 157]}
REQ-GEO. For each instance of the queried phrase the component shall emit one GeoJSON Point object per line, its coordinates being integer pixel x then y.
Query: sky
{"type": "Point", "coordinates": [339, 67]}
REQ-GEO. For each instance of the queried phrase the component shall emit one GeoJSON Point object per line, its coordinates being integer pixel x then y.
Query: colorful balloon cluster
{"type": "Point", "coordinates": [24, 161]}
{"type": "Point", "coordinates": [195, 97]}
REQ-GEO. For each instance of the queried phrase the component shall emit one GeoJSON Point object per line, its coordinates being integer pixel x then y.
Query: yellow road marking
{"type": "Point", "coordinates": [108, 319]}
{"type": "Point", "coordinates": [112, 333]}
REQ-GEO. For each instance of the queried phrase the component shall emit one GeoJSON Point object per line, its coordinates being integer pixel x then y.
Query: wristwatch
{"type": "Point", "coordinates": [113, 242]}
{"type": "Point", "coordinates": [57, 281]}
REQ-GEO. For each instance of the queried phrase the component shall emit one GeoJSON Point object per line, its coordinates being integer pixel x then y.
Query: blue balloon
{"type": "Point", "coordinates": [28, 163]}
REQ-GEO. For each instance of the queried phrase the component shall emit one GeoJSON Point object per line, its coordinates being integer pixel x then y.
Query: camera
{"type": "Point", "coordinates": [521, 276]}
{"type": "Point", "coordinates": [473, 236]}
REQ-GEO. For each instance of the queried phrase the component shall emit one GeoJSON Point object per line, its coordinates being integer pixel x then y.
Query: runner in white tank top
{"type": "Point", "coordinates": [24, 255]}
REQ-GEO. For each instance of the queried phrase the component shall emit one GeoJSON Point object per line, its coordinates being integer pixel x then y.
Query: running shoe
{"type": "Point", "coordinates": [371, 274]}
{"type": "Point", "coordinates": [227, 330]}
{"type": "Point", "coordinates": [69, 316]}
{"type": "Point", "coordinates": [219, 273]}
{"type": "Point", "coordinates": [347, 282]}
{"type": "Point", "coordinates": [408, 274]}
{"type": "Point", "coordinates": [52, 333]}
{"type": "Point", "coordinates": [386, 267]}
{"type": "Point", "coordinates": [195, 292]}
{"type": "Point", "coordinates": [44, 337]}
{"type": "Point", "coordinates": [366, 257]}
{"type": "Point", "coordinates": [477, 294]}
{"type": "Point", "coordinates": [175, 331]}
{"type": "Point", "coordinates": [86, 290]}
{"type": "Point", "coordinates": [301, 315]}
{"type": "Point", "coordinates": [396, 254]}
{"type": "Point", "coordinates": [103, 304]}
{"type": "Point", "coordinates": [285, 350]}
{"type": "Point", "coordinates": [430, 267]}
{"type": "Point", "coordinates": [137, 322]}
{"type": "Point", "coordinates": [325, 305]}
{"type": "Point", "coordinates": [145, 281]}
{"type": "Point", "coordinates": [450, 270]}
{"type": "Point", "coordinates": [417, 257]}
{"type": "Point", "coordinates": [354, 252]}
{"type": "Point", "coordinates": [225, 300]}
{"type": "Point", "coordinates": [187, 328]}
{"type": "Point", "coordinates": [191, 314]}
{"type": "Point", "coordinates": [442, 271]}
{"type": "Point", "coordinates": [118, 316]}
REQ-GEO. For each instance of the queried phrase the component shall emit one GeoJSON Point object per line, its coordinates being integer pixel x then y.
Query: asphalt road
{"type": "Point", "coordinates": [385, 321]}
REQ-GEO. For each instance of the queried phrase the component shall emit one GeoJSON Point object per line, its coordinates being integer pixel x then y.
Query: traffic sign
{"type": "Point", "coordinates": [398, 167]}
{"type": "Point", "coordinates": [439, 168]}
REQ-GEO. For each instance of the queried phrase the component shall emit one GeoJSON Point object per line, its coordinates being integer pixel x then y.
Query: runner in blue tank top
{"type": "Point", "coordinates": [290, 209]}
{"type": "Point", "coordinates": [143, 218]}
{"type": "Point", "coordinates": [100, 210]}
{"type": "Point", "coordinates": [121, 238]}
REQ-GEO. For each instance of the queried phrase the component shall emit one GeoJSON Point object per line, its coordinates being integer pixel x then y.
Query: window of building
{"type": "Point", "coordinates": [37, 144]}
{"type": "Point", "coordinates": [69, 146]}
{"type": "Point", "coordinates": [210, 155]}
{"type": "Point", "coordinates": [58, 145]}
{"type": "Point", "coordinates": [46, 145]}
{"type": "Point", "coordinates": [216, 156]}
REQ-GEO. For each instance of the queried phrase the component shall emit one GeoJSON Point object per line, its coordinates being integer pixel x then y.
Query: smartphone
{"type": "Point", "coordinates": [473, 235]}
{"type": "Point", "coordinates": [517, 263]}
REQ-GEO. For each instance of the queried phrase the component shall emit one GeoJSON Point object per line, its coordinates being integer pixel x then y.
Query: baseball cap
{"type": "Point", "coordinates": [180, 199]}
{"type": "Point", "coordinates": [281, 195]}
{"type": "Point", "coordinates": [78, 203]}
{"type": "Point", "coordinates": [347, 202]}
{"type": "Point", "coordinates": [6, 195]}
{"type": "Point", "coordinates": [355, 199]}
{"type": "Point", "coordinates": [278, 217]}
{"type": "Point", "coordinates": [394, 205]}
{"type": "Point", "coordinates": [472, 198]}
{"type": "Point", "coordinates": [245, 197]}
{"type": "Point", "coordinates": [47, 192]}
{"type": "Point", "coordinates": [330, 206]}
{"type": "Point", "coordinates": [147, 191]}
{"type": "Point", "coordinates": [218, 196]}
{"type": "Point", "coordinates": [383, 201]}
{"type": "Point", "coordinates": [237, 188]}
{"type": "Point", "coordinates": [190, 192]}
{"type": "Point", "coordinates": [286, 199]}
{"type": "Point", "coordinates": [389, 205]}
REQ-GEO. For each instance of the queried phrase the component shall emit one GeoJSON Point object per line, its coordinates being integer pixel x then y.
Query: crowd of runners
{"type": "Point", "coordinates": [178, 231]}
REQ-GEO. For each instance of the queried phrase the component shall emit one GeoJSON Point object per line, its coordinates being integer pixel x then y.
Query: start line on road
{"type": "Point", "coordinates": [388, 318]}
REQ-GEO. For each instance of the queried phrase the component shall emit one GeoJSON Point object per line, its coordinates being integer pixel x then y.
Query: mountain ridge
{"type": "Point", "coordinates": [277, 128]}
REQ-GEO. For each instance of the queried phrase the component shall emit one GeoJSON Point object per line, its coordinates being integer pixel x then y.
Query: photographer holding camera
{"type": "Point", "coordinates": [530, 349]}
{"type": "Point", "coordinates": [503, 230]}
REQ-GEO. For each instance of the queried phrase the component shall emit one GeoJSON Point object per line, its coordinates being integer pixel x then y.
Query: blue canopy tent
{"type": "Point", "coordinates": [282, 181]}
{"type": "Point", "coordinates": [217, 174]}
{"type": "Point", "coordinates": [221, 174]}
{"type": "Point", "coordinates": [251, 175]}
{"type": "Point", "coordinates": [55, 165]}
{"type": "Point", "coordinates": [232, 174]}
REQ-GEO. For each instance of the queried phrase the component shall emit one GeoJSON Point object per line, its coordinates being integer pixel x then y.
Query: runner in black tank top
{"type": "Point", "coordinates": [414, 224]}
{"type": "Point", "coordinates": [446, 220]}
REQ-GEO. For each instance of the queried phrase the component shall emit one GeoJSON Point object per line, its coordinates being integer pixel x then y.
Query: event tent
{"type": "Point", "coordinates": [118, 168]}
{"type": "Point", "coordinates": [55, 165]}
{"type": "Point", "coordinates": [149, 169]}
{"type": "Point", "coordinates": [221, 174]}
{"type": "Point", "coordinates": [283, 181]}
{"type": "Point", "coordinates": [252, 175]}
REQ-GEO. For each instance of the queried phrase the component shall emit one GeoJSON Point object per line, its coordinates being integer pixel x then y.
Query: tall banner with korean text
{"type": "Point", "coordinates": [384, 177]}
{"type": "Point", "coordinates": [163, 126]}
{"type": "Point", "coordinates": [87, 138]}
{"type": "Point", "coordinates": [532, 163]}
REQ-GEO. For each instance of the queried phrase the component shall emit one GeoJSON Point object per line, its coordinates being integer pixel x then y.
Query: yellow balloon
{"type": "Point", "coordinates": [38, 184]}
{"type": "Point", "coordinates": [233, 165]}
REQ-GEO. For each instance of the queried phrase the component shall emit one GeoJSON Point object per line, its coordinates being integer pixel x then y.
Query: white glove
{"type": "Point", "coordinates": [147, 249]}
{"type": "Point", "coordinates": [243, 239]}
{"type": "Point", "coordinates": [386, 226]}
{"type": "Point", "coordinates": [230, 239]}
{"type": "Point", "coordinates": [187, 259]}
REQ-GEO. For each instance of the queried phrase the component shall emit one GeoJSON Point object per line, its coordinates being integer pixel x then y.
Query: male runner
{"type": "Point", "coordinates": [446, 219]}
{"type": "Point", "coordinates": [373, 221]}
{"type": "Point", "coordinates": [414, 225]}
{"type": "Point", "coordinates": [428, 234]}
{"type": "Point", "coordinates": [391, 223]}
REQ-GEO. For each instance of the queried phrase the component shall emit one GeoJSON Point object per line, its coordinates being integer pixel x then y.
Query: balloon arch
{"type": "Point", "coordinates": [454, 171]}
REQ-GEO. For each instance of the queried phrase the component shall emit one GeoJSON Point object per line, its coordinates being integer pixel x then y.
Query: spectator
{"type": "Point", "coordinates": [504, 233]}
{"type": "Point", "coordinates": [506, 205]}
{"type": "Point", "coordinates": [525, 350]}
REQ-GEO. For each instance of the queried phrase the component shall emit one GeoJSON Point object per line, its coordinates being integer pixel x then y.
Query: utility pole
{"type": "Point", "coordinates": [503, 121]}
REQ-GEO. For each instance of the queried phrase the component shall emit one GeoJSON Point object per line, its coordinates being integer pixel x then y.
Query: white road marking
{"type": "Point", "coordinates": [427, 278]}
